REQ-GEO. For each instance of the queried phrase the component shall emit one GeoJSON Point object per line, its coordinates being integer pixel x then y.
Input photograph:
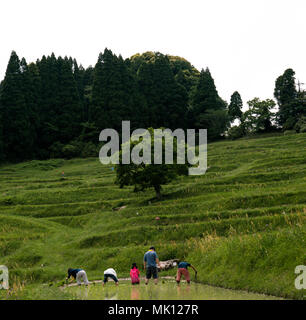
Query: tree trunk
{"type": "Point", "coordinates": [158, 193]}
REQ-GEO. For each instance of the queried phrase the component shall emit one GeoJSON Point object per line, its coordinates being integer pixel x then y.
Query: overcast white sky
{"type": "Point", "coordinates": [245, 43]}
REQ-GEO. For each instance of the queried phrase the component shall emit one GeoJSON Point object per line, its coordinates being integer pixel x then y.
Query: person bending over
{"type": "Point", "coordinates": [183, 271]}
{"type": "Point", "coordinates": [110, 273]}
{"type": "Point", "coordinates": [79, 275]}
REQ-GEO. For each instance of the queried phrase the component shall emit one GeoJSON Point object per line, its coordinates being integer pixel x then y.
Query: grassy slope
{"type": "Point", "coordinates": [242, 223]}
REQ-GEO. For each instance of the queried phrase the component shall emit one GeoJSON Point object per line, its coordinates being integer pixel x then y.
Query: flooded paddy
{"type": "Point", "coordinates": [165, 290]}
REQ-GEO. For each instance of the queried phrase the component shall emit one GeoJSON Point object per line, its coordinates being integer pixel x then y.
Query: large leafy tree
{"type": "Point", "coordinates": [185, 73]}
{"type": "Point", "coordinates": [259, 117]}
{"type": "Point", "coordinates": [143, 176]}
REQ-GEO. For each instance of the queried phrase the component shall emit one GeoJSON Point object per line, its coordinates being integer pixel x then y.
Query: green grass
{"type": "Point", "coordinates": [242, 223]}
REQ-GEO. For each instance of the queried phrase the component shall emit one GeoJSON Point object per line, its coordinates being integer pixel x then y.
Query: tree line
{"type": "Point", "coordinates": [262, 116]}
{"type": "Point", "coordinates": [55, 107]}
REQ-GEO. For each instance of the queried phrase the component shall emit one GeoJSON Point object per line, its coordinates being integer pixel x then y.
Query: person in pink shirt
{"type": "Point", "coordinates": [134, 274]}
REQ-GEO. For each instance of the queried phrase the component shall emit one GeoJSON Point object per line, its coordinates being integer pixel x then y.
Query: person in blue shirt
{"type": "Point", "coordinates": [183, 270]}
{"type": "Point", "coordinates": [150, 262]}
{"type": "Point", "coordinates": [78, 275]}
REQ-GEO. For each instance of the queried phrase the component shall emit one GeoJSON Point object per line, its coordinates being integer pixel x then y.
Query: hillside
{"type": "Point", "coordinates": [242, 223]}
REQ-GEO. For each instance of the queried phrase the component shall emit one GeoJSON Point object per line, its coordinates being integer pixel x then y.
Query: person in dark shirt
{"type": "Point", "coordinates": [78, 275]}
{"type": "Point", "coordinates": [150, 260]}
{"type": "Point", "coordinates": [183, 270]}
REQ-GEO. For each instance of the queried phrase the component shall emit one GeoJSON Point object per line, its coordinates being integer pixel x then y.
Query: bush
{"type": "Point", "coordinates": [289, 124]}
{"type": "Point", "coordinates": [89, 150]}
{"type": "Point", "coordinates": [300, 126]}
{"type": "Point", "coordinates": [303, 129]}
{"type": "Point", "coordinates": [75, 148]}
{"type": "Point", "coordinates": [45, 165]}
{"type": "Point", "coordinates": [235, 132]}
{"type": "Point", "coordinates": [288, 132]}
{"type": "Point", "coordinates": [56, 150]}
{"type": "Point", "coordinates": [70, 151]}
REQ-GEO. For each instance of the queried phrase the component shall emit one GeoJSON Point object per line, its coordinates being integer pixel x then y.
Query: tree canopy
{"type": "Point", "coordinates": [54, 107]}
{"type": "Point", "coordinates": [149, 175]}
{"type": "Point", "coordinates": [292, 103]}
{"type": "Point", "coordinates": [235, 106]}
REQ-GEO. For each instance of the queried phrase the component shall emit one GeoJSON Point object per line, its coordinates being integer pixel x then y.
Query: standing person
{"type": "Point", "coordinates": [183, 270]}
{"type": "Point", "coordinates": [134, 274]}
{"type": "Point", "coordinates": [79, 275]}
{"type": "Point", "coordinates": [110, 273]}
{"type": "Point", "coordinates": [150, 260]}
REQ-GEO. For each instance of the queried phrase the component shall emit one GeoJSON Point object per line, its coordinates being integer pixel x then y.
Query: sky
{"type": "Point", "coordinates": [246, 44]}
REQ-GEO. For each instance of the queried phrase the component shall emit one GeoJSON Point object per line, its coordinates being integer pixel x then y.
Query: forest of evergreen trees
{"type": "Point", "coordinates": [56, 108]}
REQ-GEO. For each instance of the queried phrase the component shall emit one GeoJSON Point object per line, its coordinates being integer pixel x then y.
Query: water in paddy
{"type": "Point", "coordinates": [165, 290]}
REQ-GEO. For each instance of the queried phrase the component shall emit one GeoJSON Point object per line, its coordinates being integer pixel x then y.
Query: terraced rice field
{"type": "Point", "coordinates": [242, 223]}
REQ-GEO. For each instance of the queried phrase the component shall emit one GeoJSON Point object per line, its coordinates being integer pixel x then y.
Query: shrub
{"type": "Point", "coordinates": [89, 150]}
{"type": "Point", "coordinates": [235, 132]}
{"type": "Point", "coordinates": [300, 126]}
{"type": "Point", "coordinates": [8, 202]}
{"type": "Point", "coordinates": [288, 132]}
{"type": "Point", "coordinates": [56, 150]}
{"type": "Point", "coordinates": [70, 151]}
{"type": "Point", "coordinates": [289, 124]}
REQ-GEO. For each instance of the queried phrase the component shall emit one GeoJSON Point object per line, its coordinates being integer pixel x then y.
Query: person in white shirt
{"type": "Point", "coordinates": [110, 273]}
